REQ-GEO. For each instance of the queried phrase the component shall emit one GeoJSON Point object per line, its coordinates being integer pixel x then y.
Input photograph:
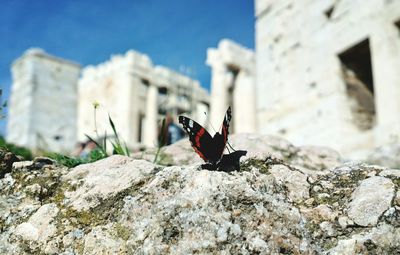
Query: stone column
{"type": "Point", "coordinates": [244, 103]}
{"type": "Point", "coordinates": [133, 112]}
{"type": "Point", "coordinates": [385, 49]}
{"type": "Point", "coordinates": [220, 82]}
{"type": "Point", "coordinates": [150, 131]}
{"type": "Point", "coordinates": [200, 109]}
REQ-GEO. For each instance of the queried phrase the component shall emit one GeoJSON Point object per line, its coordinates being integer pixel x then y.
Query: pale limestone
{"type": "Point", "coordinates": [232, 84]}
{"type": "Point", "coordinates": [300, 88]}
{"type": "Point", "coordinates": [39, 227]}
{"type": "Point", "coordinates": [387, 155]}
{"type": "Point", "coordinates": [136, 207]}
{"type": "Point", "coordinates": [311, 160]}
{"type": "Point", "coordinates": [390, 172]}
{"type": "Point", "coordinates": [98, 183]}
{"type": "Point", "coordinates": [100, 241]}
{"type": "Point", "coordinates": [383, 235]}
{"type": "Point", "coordinates": [370, 200]}
{"type": "Point", "coordinates": [136, 95]}
{"type": "Point", "coordinates": [295, 182]}
{"type": "Point", "coordinates": [43, 98]}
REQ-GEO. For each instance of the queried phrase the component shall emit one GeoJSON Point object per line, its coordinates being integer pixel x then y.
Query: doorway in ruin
{"type": "Point", "coordinates": [141, 127]}
{"type": "Point", "coordinates": [234, 70]}
{"type": "Point", "coordinates": [357, 75]}
{"type": "Point", "coordinates": [397, 24]}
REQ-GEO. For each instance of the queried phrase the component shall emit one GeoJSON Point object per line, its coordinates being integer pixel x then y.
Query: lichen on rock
{"type": "Point", "coordinates": [284, 200]}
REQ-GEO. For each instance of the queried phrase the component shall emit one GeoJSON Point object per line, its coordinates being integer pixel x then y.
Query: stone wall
{"type": "Point", "coordinates": [137, 95]}
{"type": "Point", "coordinates": [305, 51]}
{"type": "Point", "coordinates": [42, 109]}
{"type": "Point", "coordinates": [232, 84]}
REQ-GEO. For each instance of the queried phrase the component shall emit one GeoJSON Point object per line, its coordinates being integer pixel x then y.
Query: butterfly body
{"type": "Point", "coordinates": [209, 148]}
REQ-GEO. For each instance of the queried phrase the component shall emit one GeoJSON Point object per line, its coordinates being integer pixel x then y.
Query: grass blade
{"type": "Point", "coordinates": [113, 128]}
{"type": "Point", "coordinates": [97, 144]}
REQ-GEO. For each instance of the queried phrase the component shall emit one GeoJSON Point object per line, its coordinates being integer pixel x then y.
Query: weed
{"type": "Point", "coordinates": [100, 152]}
{"type": "Point", "coordinates": [17, 150]}
{"type": "Point", "coordinates": [70, 162]}
{"type": "Point", "coordinates": [119, 147]}
{"type": "Point", "coordinates": [162, 140]}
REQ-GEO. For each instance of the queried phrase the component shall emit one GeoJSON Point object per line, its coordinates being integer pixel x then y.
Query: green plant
{"type": "Point", "coordinates": [69, 162]}
{"type": "Point", "coordinates": [100, 152]}
{"type": "Point", "coordinates": [119, 147]}
{"type": "Point", "coordinates": [117, 144]}
{"type": "Point", "coordinates": [17, 150]}
{"type": "Point", "coordinates": [162, 140]}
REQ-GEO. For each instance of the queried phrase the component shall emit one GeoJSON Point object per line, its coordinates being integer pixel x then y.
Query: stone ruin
{"type": "Point", "coordinates": [329, 75]}
{"type": "Point", "coordinates": [52, 108]}
{"type": "Point", "coordinates": [233, 85]}
{"type": "Point", "coordinates": [43, 102]}
{"type": "Point", "coordinates": [326, 76]}
{"type": "Point", "coordinates": [137, 95]}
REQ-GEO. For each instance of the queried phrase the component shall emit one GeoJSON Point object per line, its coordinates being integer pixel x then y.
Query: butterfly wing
{"type": "Point", "coordinates": [225, 125]}
{"type": "Point", "coordinates": [200, 139]}
{"type": "Point", "coordinates": [220, 140]}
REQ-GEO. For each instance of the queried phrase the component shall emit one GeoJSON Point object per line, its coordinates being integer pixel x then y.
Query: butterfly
{"type": "Point", "coordinates": [209, 148]}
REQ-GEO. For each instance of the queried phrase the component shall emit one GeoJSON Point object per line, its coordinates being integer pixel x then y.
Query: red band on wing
{"type": "Point", "coordinates": [224, 133]}
{"type": "Point", "coordinates": [199, 153]}
{"type": "Point", "coordinates": [198, 136]}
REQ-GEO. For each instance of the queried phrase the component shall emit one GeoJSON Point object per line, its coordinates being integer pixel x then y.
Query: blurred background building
{"type": "Point", "coordinates": [43, 102]}
{"type": "Point", "coordinates": [322, 73]}
{"type": "Point", "coordinates": [51, 108]}
{"type": "Point", "coordinates": [326, 73]}
{"type": "Point", "coordinates": [137, 95]}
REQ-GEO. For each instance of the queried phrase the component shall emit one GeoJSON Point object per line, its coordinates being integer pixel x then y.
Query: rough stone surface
{"type": "Point", "coordinates": [284, 200]}
{"type": "Point", "coordinates": [6, 161]}
{"type": "Point", "coordinates": [371, 198]}
{"type": "Point", "coordinates": [388, 155]}
{"type": "Point", "coordinates": [305, 90]}
{"type": "Point", "coordinates": [306, 158]}
{"type": "Point", "coordinates": [93, 184]}
{"type": "Point", "coordinates": [39, 227]}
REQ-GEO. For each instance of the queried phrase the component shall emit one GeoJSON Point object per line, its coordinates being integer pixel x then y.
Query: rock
{"type": "Point", "coordinates": [343, 221]}
{"type": "Point", "coordinates": [370, 200]}
{"type": "Point", "coordinates": [39, 228]}
{"type": "Point", "coordinates": [397, 198]}
{"type": "Point", "coordinates": [260, 147]}
{"type": "Point", "coordinates": [99, 241]}
{"type": "Point", "coordinates": [328, 228]}
{"type": "Point", "coordinates": [293, 180]}
{"type": "Point", "coordinates": [36, 163]}
{"type": "Point", "coordinates": [325, 213]}
{"type": "Point", "coordinates": [6, 161]}
{"type": "Point", "coordinates": [390, 173]}
{"type": "Point", "coordinates": [383, 239]}
{"type": "Point", "coordinates": [103, 179]}
{"type": "Point", "coordinates": [387, 155]}
{"type": "Point", "coordinates": [284, 199]}
{"type": "Point", "coordinates": [22, 165]}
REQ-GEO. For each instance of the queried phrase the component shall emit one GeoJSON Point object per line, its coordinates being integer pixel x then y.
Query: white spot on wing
{"type": "Point", "coordinates": [191, 123]}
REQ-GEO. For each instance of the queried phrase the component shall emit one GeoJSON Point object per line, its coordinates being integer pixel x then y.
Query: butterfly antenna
{"type": "Point", "coordinates": [230, 146]}
{"type": "Point", "coordinates": [209, 122]}
{"type": "Point", "coordinates": [229, 151]}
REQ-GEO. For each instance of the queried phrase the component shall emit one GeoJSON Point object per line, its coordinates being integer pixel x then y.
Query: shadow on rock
{"type": "Point", "coordinates": [228, 163]}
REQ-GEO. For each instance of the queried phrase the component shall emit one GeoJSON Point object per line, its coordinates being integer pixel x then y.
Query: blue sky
{"type": "Point", "coordinates": [173, 33]}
